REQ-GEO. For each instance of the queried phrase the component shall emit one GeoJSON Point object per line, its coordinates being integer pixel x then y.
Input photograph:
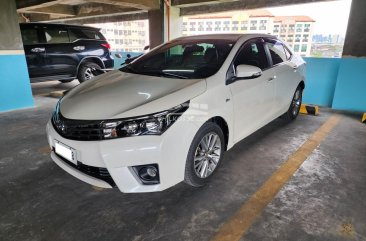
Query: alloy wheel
{"type": "Point", "coordinates": [207, 155]}
{"type": "Point", "coordinates": [88, 74]}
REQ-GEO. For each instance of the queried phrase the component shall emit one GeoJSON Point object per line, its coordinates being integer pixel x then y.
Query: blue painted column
{"type": "Point", "coordinates": [15, 88]}
{"type": "Point", "coordinates": [350, 91]}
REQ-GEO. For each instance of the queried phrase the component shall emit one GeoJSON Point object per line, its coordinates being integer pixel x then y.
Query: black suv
{"type": "Point", "coordinates": [64, 52]}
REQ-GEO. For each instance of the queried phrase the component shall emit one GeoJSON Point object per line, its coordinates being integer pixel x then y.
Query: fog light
{"type": "Point", "coordinates": [151, 171]}
{"type": "Point", "coordinates": [148, 174]}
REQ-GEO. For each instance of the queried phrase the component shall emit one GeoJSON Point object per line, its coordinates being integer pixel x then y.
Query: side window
{"type": "Point", "coordinates": [75, 34]}
{"type": "Point", "coordinates": [252, 53]}
{"type": "Point", "coordinates": [56, 35]}
{"type": "Point", "coordinates": [277, 52]}
{"type": "Point", "coordinates": [30, 36]}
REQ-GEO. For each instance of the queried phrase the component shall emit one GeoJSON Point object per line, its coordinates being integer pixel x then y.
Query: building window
{"type": "Point", "coordinates": [276, 28]}
{"type": "Point", "coordinates": [307, 28]}
{"type": "Point", "coordinates": [305, 38]}
{"type": "Point", "coordinates": [253, 25]}
{"type": "Point", "coordinates": [297, 37]}
{"type": "Point", "coordinates": [283, 28]}
{"type": "Point", "coordinates": [263, 25]}
{"type": "Point", "coordinates": [304, 47]}
{"type": "Point", "coordinates": [296, 47]}
{"type": "Point", "coordinates": [291, 27]}
{"type": "Point", "coordinates": [244, 25]}
{"type": "Point", "coordinates": [299, 28]}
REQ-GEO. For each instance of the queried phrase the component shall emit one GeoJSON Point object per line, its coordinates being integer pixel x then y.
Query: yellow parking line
{"type": "Point", "coordinates": [241, 221]}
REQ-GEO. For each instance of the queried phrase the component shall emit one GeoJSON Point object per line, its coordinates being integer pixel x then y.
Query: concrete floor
{"type": "Point", "coordinates": [325, 200]}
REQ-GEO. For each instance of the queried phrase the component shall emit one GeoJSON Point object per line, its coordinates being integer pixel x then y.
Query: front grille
{"type": "Point", "coordinates": [81, 130]}
{"type": "Point", "coordinates": [97, 172]}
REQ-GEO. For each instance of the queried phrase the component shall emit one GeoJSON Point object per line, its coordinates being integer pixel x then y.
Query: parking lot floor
{"type": "Point", "coordinates": [323, 200]}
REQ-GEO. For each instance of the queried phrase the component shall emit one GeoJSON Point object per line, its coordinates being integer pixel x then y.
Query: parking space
{"type": "Point", "coordinates": [322, 201]}
{"type": "Point", "coordinates": [52, 88]}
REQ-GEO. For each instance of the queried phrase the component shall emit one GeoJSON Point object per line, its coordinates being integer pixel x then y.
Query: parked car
{"type": "Point", "coordinates": [171, 114]}
{"type": "Point", "coordinates": [64, 52]}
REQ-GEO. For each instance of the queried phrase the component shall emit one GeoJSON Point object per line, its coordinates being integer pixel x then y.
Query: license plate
{"type": "Point", "coordinates": [66, 152]}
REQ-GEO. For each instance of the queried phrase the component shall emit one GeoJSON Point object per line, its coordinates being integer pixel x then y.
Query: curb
{"type": "Point", "coordinates": [309, 109]}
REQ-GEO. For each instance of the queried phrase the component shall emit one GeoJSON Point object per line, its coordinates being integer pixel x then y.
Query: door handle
{"type": "Point", "coordinates": [38, 50]}
{"type": "Point", "coordinates": [272, 78]}
{"type": "Point", "coordinates": [79, 48]}
{"type": "Point", "coordinates": [295, 67]}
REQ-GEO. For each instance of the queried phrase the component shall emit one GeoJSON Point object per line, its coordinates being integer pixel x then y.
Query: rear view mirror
{"type": "Point", "coordinates": [244, 71]}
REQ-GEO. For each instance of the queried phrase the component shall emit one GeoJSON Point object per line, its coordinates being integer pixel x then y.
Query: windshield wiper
{"type": "Point", "coordinates": [166, 74]}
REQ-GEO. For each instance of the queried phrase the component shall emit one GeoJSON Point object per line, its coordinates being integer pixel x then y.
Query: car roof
{"type": "Point", "coordinates": [59, 25]}
{"type": "Point", "coordinates": [229, 36]}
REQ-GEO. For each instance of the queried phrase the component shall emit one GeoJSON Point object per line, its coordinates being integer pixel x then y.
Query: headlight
{"type": "Point", "coordinates": [154, 124]}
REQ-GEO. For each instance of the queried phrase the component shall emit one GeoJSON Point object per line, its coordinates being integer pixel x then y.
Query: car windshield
{"type": "Point", "coordinates": [183, 58]}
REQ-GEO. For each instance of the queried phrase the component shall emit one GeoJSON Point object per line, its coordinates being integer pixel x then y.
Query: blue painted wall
{"type": "Point", "coordinates": [339, 83]}
{"type": "Point", "coordinates": [321, 78]}
{"type": "Point", "coordinates": [350, 91]}
{"type": "Point", "coordinates": [15, 90]}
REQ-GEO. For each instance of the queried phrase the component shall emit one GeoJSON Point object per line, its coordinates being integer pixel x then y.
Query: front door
{"type": "Point", "coordinates": [252, 98]}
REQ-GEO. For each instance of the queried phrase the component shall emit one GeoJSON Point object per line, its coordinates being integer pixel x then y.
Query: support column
{"type": "Point", "coordinates": [355, 42]}
{"type": "Point", "coordinates": [351, 84]}
{"type": "Point", "coordinates": [156, 28]}
{"type": "Point", "coordinates": [15, 89]}
{"type": "Point", "coordinates": [175, 24]}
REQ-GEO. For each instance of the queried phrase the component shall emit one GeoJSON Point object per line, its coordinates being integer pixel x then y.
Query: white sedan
{"type": "Point", "coordinates": [170, 115]}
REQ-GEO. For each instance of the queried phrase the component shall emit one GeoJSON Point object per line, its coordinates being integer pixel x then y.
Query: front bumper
{"type": "Point", "coordinates": [117, 156]}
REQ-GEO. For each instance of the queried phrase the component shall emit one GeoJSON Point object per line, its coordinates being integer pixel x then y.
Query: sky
{"type": "Point", "coordinates": [331, 17]}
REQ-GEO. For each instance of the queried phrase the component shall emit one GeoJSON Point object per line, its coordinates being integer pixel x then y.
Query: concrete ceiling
{"type": "Point", "coordinates": [73, 10]}
{"type": "Point", "coordinates": [91, 11]}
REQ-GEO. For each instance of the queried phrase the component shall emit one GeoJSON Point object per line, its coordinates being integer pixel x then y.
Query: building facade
{"type": "Point", "coordinates": [297, 31]}
{"type": "Point", "coordinates": [128, 36]}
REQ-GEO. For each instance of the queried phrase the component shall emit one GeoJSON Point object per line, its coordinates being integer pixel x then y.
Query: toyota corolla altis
{"type": "Point", "coordinates": [170, 115]}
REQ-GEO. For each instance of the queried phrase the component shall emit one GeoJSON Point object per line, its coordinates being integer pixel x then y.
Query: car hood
{"type": "Point", "coordinates": [117, 94]}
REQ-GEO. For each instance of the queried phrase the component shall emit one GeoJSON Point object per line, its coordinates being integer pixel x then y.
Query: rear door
{"type": "Point", "coordinates": [61, 59]}
{"type": "Point", "coordinates": [34, 50]}
{"type": "Point", "coordinates": [286, 77]}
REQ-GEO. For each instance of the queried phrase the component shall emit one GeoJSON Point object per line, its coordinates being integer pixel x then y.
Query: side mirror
{"type": "Point", "coordinates": [118, 55]}
{"type": "Point", "coordinates": [244, 71]}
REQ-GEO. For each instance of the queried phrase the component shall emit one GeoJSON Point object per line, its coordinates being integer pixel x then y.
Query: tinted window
{"type": "Point", "coordinates": [252, 54]}
{"type": "Point", "coordinates": [185, 58]}
{"type": "Point", "coordinates": [84, 34]}
{"type": "Point", "coordinates": [56, 35]}
{"type": "Point", "coordinates": [277, 52]}
{"type": "Point", "coordinates": [30, 36]}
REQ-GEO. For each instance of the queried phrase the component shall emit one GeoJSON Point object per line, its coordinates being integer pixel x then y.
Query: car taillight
{"type": "Point", "coordinates": [107, 45]}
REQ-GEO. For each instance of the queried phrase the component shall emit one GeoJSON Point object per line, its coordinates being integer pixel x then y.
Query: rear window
{"type": "Point", "coordinates": [84, 34]}
{"type": "Point", "coordinates": [30, 36]}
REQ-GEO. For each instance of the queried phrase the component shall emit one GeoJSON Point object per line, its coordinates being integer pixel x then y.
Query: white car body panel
{"type": "Point", "coordinates": [245, 105]}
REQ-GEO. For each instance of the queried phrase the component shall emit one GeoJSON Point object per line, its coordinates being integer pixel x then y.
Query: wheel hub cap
{"type": "Point", "coordinates": [207, 155]}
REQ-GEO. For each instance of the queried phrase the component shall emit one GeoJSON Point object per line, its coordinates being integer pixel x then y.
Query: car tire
{"type": "Point", "coordinates": [203, 162]}
{"type": "Point", "coordinates": [85, 71]}
{"type": "Point", "coordinates": [295, 105]}
{"type": "Point", "coordinates": [66, 80]}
